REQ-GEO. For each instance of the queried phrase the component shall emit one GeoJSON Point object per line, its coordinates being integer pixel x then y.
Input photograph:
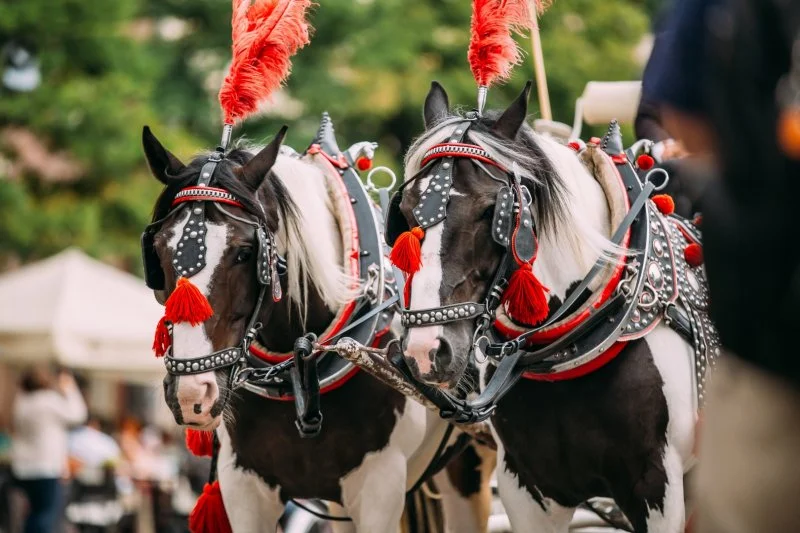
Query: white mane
{"type": "Point", "coordinates": [312, 243]}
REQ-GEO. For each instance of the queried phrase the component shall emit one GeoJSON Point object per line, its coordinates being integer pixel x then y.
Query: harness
{"type": "Point", "coordinates": [652, 283]}
{"type": "Point", "coordinates": [303, 375]}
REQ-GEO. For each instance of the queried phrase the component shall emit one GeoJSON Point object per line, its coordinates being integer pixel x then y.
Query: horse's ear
{"type": "Point", "coordinates": [436, 105]}
{"type": "Point", "coordinates": [512, 118]}
{"type": "Point", "coordinates": [163, 164]}
{"type": "Point", "coordinates": [254, 172]}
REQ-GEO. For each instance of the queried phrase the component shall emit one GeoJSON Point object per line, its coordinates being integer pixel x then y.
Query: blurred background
{"type": "Point", "coordinates": [79, 79]}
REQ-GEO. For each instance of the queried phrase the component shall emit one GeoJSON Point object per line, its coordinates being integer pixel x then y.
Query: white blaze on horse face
{"type": "Point", "coordinates": [425, 287]}
{"type": "Point", "coordinates": [192, 341]}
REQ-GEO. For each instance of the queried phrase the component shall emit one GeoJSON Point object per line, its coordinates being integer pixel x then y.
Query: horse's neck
{"type": "Point", "coordinates": [314, 255]}
{"type": "Point", "coordinates": [567, 253]}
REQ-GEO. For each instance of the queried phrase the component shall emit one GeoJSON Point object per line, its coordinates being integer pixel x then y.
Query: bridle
{"type": "Point", "coordinates": [512, 225]}
{"type": "Point", "coordinates": [190, 258]}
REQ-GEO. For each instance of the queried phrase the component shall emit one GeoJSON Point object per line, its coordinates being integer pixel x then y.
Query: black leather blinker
{"type": "Point", "coordinates": [190, 257]}
{"type": "Point", "coordinates": [525, 243]}
{"type": "Point", "coordinates": [503, 216]}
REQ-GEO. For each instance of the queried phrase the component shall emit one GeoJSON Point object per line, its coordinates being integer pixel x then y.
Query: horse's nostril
{"type": "Point", "coordinates": [444, 353]}
{"type": "Point", "coordinates": [197, 409]}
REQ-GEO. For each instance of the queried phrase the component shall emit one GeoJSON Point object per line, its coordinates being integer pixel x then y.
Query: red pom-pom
{"type": "Point", "coordinates": [664, 203]}
{"type": "Point", "coordinates": [200, 443]}
{"type": "Point", "coordinates": [575, 145]}
{"type": "Point", "coordinates": [698, 220]}
{"type": "Point", "coordinates": [187, 304]}
{"type": "Point", "coordinates": [645, 162]}
{"type": "Point", "coordinates": [525, 297]}
{"type": "Point", "coordinates": [364, 163]}
{"type": "Point", "coordinates": [407, 250]}
{"type": "Point", "coordinates": [162, 340]}
{"type": "Point", "coordinates": [208, 515]}
{"type": "Point", "coordinates": [693, 254]}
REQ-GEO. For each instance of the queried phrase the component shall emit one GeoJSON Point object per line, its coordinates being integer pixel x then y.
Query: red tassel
{"type": "Point", "coordinates": [693, 254]}
{"type": "Point", "coordinates": [664, 203]}
{"type": "Point", "coordinates": [208, 515]}
{"type": "Point", "coordinates": [162, 340]}
{"type": "Point", "coordinates": [407, 250]}
{"type": "Point", "coordinates": [645, 162]}
{"type": "Point", "coordinates": [200, 443]}
{"type": "Point", "coordinates": [187, 304]}
{"type": "Point", "coordinates": [525, 297]}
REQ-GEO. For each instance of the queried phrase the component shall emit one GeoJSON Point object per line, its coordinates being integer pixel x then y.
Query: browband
{"type": "Point", "coordinates": [471, 151]}
{"type": "Point", "coordinates": [206, 194]}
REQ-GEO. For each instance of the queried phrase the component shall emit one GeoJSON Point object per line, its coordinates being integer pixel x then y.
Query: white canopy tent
{"type": "Point", "coordinates": [81, 313]}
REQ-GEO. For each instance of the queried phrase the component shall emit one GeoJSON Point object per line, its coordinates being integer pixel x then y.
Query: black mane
{"type": "Point", "coordinates": [546, 186]}
{"type": "Point", "coordinates": [226, 178]}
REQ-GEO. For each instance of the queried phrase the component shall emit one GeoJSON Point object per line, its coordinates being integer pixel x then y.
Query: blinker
{"type": "Point", "coordinates": [190, 257]}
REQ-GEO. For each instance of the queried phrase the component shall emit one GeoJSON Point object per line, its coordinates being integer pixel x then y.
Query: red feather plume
{"type": "Point", "coordinates": [266, 34]}
{"type": "Point", "coordinates": [492, 49]}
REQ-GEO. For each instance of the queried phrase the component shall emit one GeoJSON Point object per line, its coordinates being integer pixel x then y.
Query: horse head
{"type": "Point", "coordinates": [218, 240]}
{"type": "Point", "coordinates": [482, 192]}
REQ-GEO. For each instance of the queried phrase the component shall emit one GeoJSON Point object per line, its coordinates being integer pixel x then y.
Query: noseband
{"type": "Point", "coordinates": [190, 258]}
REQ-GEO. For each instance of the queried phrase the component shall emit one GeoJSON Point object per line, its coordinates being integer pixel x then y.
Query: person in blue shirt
{"type": "Point", "coordinates": [721, 83]}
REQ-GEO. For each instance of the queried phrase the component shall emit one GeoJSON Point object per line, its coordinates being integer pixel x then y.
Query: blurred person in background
{"type": "Point", "coordinates": [45, 407]}
{"type": "Point", "coordinates": [738, 98]}
{"type": "Point", "coordinates": [685, 186]}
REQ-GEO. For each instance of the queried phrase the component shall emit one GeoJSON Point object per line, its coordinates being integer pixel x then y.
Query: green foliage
{"type": "Point", "coordinates": [109, 70]}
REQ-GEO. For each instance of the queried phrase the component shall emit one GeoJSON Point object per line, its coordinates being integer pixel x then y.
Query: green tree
{"type": "Point", "coordinates": [106, 72]}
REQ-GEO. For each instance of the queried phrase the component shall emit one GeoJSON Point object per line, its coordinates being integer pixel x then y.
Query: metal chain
{"type": "Point", "coordinates": [260, 376]}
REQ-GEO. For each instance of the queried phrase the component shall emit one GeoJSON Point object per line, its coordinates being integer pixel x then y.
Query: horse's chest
{"type": "Point", "coordinates": [358, 419]}
{"type": "Point", "coordinates": [572, 440]}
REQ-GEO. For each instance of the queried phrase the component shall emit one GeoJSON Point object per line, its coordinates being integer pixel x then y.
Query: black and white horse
{"type": "Point", "coordinates": [375, 443]}
{"type": "Point", "coordinates": [625, 428]}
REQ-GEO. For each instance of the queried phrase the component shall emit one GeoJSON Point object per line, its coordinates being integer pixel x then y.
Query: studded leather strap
{"type": "Point", "coordinates": [206, 363]}
{"type": "Point", "coordinates": [441, 315]}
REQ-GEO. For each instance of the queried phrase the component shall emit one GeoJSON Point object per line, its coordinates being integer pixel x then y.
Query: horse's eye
{"type": "Point", "coordinates": [244, 255]}
{"type": "Point", "coordinates": [488, 213]}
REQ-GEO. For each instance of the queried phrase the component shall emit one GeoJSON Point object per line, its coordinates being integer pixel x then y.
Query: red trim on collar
{"type": "Point", "coordinates": [338, 162]}
{"type": "Point", "coordinates": [355, 267]}
{"type": "Point", "coordinates": [274, 357]}
{"type": "Point", "coordinates": [344, 379]}
{"type": "Point", "coordinates": [558, 330]}
{"type": "Point", "coordinates": [456, 153]}
{"type": "Point", "coordinates": [587, 368]}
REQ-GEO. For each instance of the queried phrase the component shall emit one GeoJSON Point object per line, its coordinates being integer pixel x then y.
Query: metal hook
{"type": "Point", "coordinates": [658, 171]}
{"type": "Point", "coordinates": [374, 188]}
